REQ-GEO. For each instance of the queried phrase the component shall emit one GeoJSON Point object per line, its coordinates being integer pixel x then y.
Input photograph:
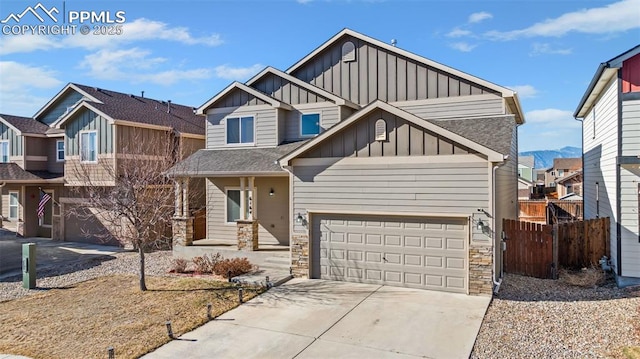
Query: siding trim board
{"type": "Point", "coordinates": [241, 87]}
{"type": "Point", "coordinates": [619, 178]}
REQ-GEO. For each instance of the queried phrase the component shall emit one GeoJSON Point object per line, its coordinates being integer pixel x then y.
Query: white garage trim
{"type": "Point", "coordinates": [394, 214]}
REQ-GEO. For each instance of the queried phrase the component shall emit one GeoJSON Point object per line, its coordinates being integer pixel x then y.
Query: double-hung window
{"type": "Point", "coordinates": [4, 151]}
{"type": "Point", "coordinates": [88, 146]}
{"type": "Point", "coordinates": [234, 204]}
{"type": "Point", "coordinates": [60, 150]}
{"type": "Point", "coordinates": [309, 124]}
{"type": "Point", "coordinates": [14, 205]}
{"type": "Point", "coordinates": [240, 130]}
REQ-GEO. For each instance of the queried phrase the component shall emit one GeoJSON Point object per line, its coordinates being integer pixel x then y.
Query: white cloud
{"type": "Point", "coordinates": [462, 46]}
{"type": "Point", "coordinates": [549, 129]}
{"type": "Point", "coordinates": [20, 86]}
{"type": "Point", "coordinates": [479, 16]}
{"type": "Point", "coordinates": [237, 73]}
{"type": "Point", "coordinates": [138, 30]}
{"type": "Point", "coordinates": [136, 65]}
{"type": "Point", "coordinates": [458, 32]}
{"type": "Point", "coordinates": [550, 115]}
{"type": "Point", "coordinates": [524, 91]}
{"type": "Point", "coordinates": [541, 49]}
{"type": "Point", "coordinates": [616, 17]}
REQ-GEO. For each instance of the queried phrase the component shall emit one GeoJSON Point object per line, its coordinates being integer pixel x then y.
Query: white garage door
{"type": "Point", "coordinates": [429, 253]}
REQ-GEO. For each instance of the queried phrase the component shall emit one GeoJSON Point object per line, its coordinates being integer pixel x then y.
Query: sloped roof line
{"type": "Point", "coordinates": [237, 85]}
{"type": "Point", "coordinates": [55, 98]}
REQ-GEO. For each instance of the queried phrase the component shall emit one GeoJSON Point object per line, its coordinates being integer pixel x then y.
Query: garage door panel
{"type": "Point", "coordinates": [412, 252]}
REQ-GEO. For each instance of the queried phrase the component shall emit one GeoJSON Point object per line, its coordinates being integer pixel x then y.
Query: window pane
{"type": "Point", "coordinates": [60, 148]}
{"type": "Point", "coordinates": [92, 146]}
{"type": "Point", "coordinates": [13, 205]}
{"type": "Point", "coordinates": [310, 124]}
{"type": "Point", "coordinates": [233, 130]}
{"type": "Point", "coordinates": [247, 130]}
{"type": "Point", "coordinates": [233, 205]}
{"type": "Point", "coordinates": [4, 151]}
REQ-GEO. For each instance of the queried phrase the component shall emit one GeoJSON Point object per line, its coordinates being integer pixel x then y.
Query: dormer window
{"type": "Point", "coordinates": [309, 124]}
{"type": "Point", "coordinates": [240, 130]}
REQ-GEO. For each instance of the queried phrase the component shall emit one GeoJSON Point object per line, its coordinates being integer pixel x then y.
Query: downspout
{"type": "Point", "coordinates": [496, 281]}
{"type": "Point", "coordinates": [1, 217]}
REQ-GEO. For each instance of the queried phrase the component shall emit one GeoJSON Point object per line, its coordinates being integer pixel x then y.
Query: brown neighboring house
{"type": "Point", "coordinates": [562, 167]}
{"type": "Point", "coordinates": [80, 125]}
{"type": "Point", "coordinates": [570, 184]}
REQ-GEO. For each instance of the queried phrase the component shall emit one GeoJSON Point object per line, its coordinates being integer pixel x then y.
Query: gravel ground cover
{"type": "Point", "coordinates": [539, 318]}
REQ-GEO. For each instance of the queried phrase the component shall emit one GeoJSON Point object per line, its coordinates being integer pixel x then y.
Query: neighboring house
{"type": "Point", "coordinates": [570, 184]}
{"type": "Point", "coordinates": [525, 188]}
{"type": "Point", "coordinates": [610, 115]}
{"type": "Point", "coordinates": [562, 167]}
{"type": "Point", "coordinates": [371, 163]}
{"type": "Point", "coordinates": [86, 126]}
{"type": "Point", "coordinates": [525, 167]}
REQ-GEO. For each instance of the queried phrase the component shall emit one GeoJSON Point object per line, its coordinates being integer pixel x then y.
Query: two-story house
{"type": "Point", "coordinates": [371, 163]}
{"type": "Point", "coordinates": [83, 135]}
{"type": "Point", "coordinates": [610, 115]}
{"type": "Point", "coordinates": [562, 167]}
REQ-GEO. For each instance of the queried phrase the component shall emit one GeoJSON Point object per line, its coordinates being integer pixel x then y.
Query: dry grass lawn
{"type": "Point", "coordinates": [82, 321]}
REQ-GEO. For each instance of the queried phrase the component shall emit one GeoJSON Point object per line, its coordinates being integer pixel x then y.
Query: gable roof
{"type": "Point", "coordinates": [567, 163]}
{"type": "Point", "coordinates": [572, 176]}
{"type": "Point", "coordinates": [506, 93]}
{"type": "Point", "coordinates": [317, 90]}
{"type": "Point", "coordinates": [242, 87]}
{"type": "Point", "coordinates": [24, 125]}
{"type": "Point", "coordinates": [132, 110]}
{"type": "Point", "coordinates": [69, 87]}
{"type": "Point", "coordinates": [456, 130]}
{"type": "Point", "coordinates": [603, 75]}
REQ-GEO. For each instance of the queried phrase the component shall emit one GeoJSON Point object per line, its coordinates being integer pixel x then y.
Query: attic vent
{"type": "Point", "coordinates": [381, 130]}
{"type": "Point", "coordinates": [348, 52]}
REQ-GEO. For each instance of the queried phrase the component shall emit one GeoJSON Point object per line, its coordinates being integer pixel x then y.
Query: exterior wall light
{"type": "Point", "coordinates": [301, 220]}
{"type": "Point", "coordinates": [480, 225]}
{"type": "Point", "coordinates": [272, 192]}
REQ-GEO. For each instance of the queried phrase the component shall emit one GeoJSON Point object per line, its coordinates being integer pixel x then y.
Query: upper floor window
{"type": "Point", "coordinates": [560, 173]}
{"type": "Point", "coordinates": [240, 130]}
{"type": "Point", "coordinates": [88, 146]}
{"type": "Point", "coordinates": [310, 124]}
{"type": "Point", "coordinates": [60, 150]}
{"type": "Point", "coordinates": [4, 151]}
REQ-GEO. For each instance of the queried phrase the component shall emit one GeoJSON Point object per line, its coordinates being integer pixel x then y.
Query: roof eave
{"type": "Point", "coordinates": [202, 110]}
{"type": "Point", "coordinates": [200, 174]}
{"type": "Point", "coordinates": [58, 124]}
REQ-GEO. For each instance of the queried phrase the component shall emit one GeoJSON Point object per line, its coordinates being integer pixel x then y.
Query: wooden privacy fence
{"type": "Point", "coordinates": [550, 211]}
{"type": "Point", "coordinates": [537, 250]}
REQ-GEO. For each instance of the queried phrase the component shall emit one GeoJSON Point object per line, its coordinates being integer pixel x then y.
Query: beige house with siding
{"type": "Point", "coordinates": [370, 163]}
{"type": "Point", "coordinates": [82, 126]}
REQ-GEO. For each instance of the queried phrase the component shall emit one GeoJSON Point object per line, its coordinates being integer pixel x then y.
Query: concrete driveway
{"type": "Point", "coordinates": [326, 319]}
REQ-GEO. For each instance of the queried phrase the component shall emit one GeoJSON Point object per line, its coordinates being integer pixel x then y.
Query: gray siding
{"type": "Point", "coordinates": [426, 188]}
{"type": "Point", "coordinates": [329, 116]}
{"type": "Point", "coordinates": [403, 139]}
{"type": "Point", "coordinates": [380, 74]}
{"type": "Point", "coordinates": [629, 190]}
{"type": "Point", "coordinates": [285, 91]}
{"type": "Point", "coordinates": [469, 106]}
{"type": "Point", "coordinates": [60, 107]}
{"type": "Point", "coordinates": [600, 150]}
{"type": "Point", "coordinates": [87, 120]}
{"type": "Point", "coordinates": [266, 134]}
{"type": "Point", "coordinates": [37, 153]}
{"type": "Point", "coordinates": [52, 164]}
{"type": "Point", "coordinates": [237, 98]}
{"type": "Point", "coordinates": [15, 140]}
{"type": "Point", "coordinates": [272, 211]}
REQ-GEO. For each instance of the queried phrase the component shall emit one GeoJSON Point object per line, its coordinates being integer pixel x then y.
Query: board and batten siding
{"type": "Point", "coordinates": [61, 107]}
{"type": "Point", "coordinates": [329, 116]}
{"type": "Point", "coordinates": [237, 98]}
{"type": "Point", "coordinates": [15, 140]}
{"type": "Point", "coordinates": [378, 73]}
{"type": "Point", "coordinates": [600, 151]}
{"type": "Point", "coordinates": [53, 165]}
{"type": "Point", "coordinates": [87, 120]}
{"type": "Point", "coordinates": [285, 91]}
{"type": "Point", "coordinates": [630, 190]}
{"type": "Point", "coordinates": [456, 107]}
{"type": "Point", "coordinates": [272, 211]}
{"type": "Point", "coordinates": [392, 186]}
{"type": "Point", "coordinates": [265, 123]}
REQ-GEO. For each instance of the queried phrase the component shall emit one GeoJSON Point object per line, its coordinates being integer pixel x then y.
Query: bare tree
{"type": "Point", "coordinates": [129, 192]}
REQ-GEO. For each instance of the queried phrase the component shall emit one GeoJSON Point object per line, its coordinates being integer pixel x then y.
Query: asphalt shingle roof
{"type": "Point", "coordinates": [208, 162]}
{"type": "Point", "coordinates": [26, 124]}
{"type": "Point", "coordinates": [495, 133]}
{"type": "Point", "coordinates": [120, 106]}
{"type": "Point", "coordinates": [11, 172]}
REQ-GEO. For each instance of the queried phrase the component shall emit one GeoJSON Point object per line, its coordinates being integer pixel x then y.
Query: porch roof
{"type": "Point", "coordinates": [12, 173]}
{"type": "Point", "coordinates": [234, 162]}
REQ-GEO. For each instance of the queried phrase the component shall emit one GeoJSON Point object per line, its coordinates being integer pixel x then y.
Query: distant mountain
{"type": "Point", "coordinates": [544, 158]}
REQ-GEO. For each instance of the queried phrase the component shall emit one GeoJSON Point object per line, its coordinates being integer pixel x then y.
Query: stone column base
{"type": "Point", "coordinates": [182, 231]}
{"type": "Point", "coordinates": [247, 235]}
{"type": "Point", "coordinates": [480, 270]}
{"type": "Point", "coordinates": [300, 255]}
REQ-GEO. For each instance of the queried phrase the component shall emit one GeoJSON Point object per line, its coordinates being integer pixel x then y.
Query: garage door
{"type": "Point", "coordinates": [429, 253]}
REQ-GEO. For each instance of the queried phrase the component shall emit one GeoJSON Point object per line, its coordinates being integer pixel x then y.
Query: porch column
{"type": "Point", "coordinates": [243, 199]}
{"type": "Point", "coordinates": [178, 198]}
{"type": "Point", "coordinates": [182, 221]}
{"type": "Point", "coordinates": [185, 198]}
{"type": "Point", "coordinates": [247, 224]}
{"type": "Point", "coordinates": [250, 199]}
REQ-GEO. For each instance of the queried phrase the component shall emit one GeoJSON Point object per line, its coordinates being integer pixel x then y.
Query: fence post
{"type": "Point", "coordinates": [554, 265]}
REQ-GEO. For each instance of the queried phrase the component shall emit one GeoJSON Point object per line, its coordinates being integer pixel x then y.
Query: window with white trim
{"type": "Point", "coordinates": [233, 204]}
{"type": "Point", "coordinates": [89, 146]}
{"type": "Point", "coordinates": [309, 124]}
{"type": "Point", "coordinates": [59, 150]}
{"type": "Point", "coordinates": [14, 204]}
{"type": "Point", "coordinates": [4, 151]}
{"type": "Point", "coordinates": [240, 130]}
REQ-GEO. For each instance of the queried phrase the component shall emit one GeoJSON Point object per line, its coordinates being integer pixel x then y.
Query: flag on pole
{"type": "Point", "coordinates": [44, 198]}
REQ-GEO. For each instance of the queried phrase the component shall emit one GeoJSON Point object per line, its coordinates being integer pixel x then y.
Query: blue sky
{"type": "Point", "coordinates": [187, 51]}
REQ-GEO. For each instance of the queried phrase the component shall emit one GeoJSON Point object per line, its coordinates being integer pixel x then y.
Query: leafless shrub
{"type": "Point", "coordinates": [586, 277]}
{"type": "Point", "coordinates": [179, 265]}
{"type": "Point", "coordinates": [233, 267]}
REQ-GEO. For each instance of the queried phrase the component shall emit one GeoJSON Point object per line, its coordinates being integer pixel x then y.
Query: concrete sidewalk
{"type": "Point", "coordinates": [321, 319]}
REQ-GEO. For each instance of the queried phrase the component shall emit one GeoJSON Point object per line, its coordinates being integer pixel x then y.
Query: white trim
{"type": "Point", "coordinates": [36, 158]}
{"type": "Point", "coordinates": [240, 144]}
{"type": "Point", "coordinates": [349, 161]}
{"type": "Point", "coordinates": [90, 183]}
{"type": "Point", "coordinates": [319, 124]}
{"type": "Point", "coordinates": [80, 133]}
{"type": "Point", "coordinates": [141, 125]}
{"type": "Point", "coordinates": [8, 142]}
{"type": "Point", "coordinates": [242, 206]}
{"type": "Point", "coordinates": [6, 123]}
{"type": "Point", "coordinates": [59, 94]}
{"type": "Point", "coordinates": [394, 214]}
{"type": "Point", "coordinates": [192, 135]}
{"type": "Point", "coordinates": [17, 205]}
{"type": "Point", "coordinates": [236, 85]}
{"type": "Point", "coordinates": [64, 151]}
{"type": "Point", "coordinates": [61, 121]}
{"type": "Point", "coordinates": [445, 100]}
{"type": "Point", "coordinates": [492, 155]}
{"type": "Point", "coordinates": [231, 109]}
